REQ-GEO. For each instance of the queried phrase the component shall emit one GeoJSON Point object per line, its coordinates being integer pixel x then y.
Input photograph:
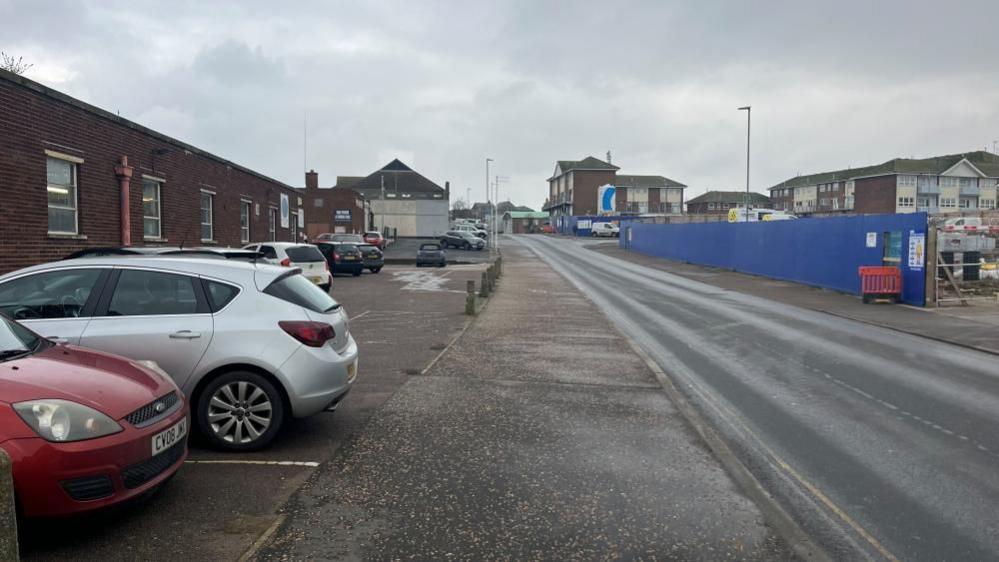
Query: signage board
{"type": "Point", "coordinates": [605, 199]}
{"type": "Point", "coordinates": [341, 215]}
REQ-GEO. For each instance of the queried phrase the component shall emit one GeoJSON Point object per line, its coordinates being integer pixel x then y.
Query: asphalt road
{"type": "Point", "coordinates": [220, 503]}
{"type": "Point", "coordinates": [880, 444]}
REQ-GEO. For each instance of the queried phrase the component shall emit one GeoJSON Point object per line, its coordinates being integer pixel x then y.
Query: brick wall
{"type": "Point", "coordinates": [874, 195]}
{"type": "Point", "coordinates": [322, 205]}
{"type": "Point", "coordinates": [34, 119]}
{"type": "Point", "coordinates": [584, 192]}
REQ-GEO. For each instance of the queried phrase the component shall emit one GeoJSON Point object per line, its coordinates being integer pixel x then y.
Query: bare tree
{"type": "Point", "coordinates": [460, 204]}
{"type": "Point", "coordinates": [15, 65]}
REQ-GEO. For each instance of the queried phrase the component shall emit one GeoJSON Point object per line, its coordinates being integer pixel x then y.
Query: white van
{"type": "Point", "coordinates": [604, 229]}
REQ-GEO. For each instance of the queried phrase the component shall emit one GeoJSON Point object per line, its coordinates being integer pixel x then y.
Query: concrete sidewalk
{"type": "Point", "coordinates": [538, 435]}
{"type": "Point", "coordinates": [976, 327]}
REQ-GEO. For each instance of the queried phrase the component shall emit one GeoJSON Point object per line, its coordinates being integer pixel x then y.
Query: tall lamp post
{"type": "Point", "coordinates": [749, 112]}
{"type": "Point", "coordinates": [489, 204]}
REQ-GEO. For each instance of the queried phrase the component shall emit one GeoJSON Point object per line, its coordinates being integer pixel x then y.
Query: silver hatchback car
{"type": "Point", "coordinates": [250, 344]}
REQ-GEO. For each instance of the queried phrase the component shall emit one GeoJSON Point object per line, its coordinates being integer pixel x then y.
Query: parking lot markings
{"type": "Point", "coordinates": [265, 463]}
{"type": "Point", "coordinates": [360, 315]}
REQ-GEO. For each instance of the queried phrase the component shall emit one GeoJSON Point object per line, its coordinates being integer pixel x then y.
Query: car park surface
{"type": "Point", "coordinates": [220, 503]}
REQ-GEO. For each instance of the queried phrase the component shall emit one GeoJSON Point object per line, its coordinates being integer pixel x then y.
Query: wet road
{"type": "Point", "coordinates": [880, 444]}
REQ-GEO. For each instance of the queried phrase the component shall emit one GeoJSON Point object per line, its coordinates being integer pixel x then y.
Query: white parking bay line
{"type": "Point", "coordinates": [360, 315]}
{"type": "Point", "coordinates": [264, 463]}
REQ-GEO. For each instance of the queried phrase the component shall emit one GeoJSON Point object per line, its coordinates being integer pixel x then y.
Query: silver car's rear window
{"type": "Point", "coordinates": [296, 289]}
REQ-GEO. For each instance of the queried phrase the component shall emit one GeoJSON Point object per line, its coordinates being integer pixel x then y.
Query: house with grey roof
{"type": "Point", "coordinates": [719, 202]}
{"type": "Point", "coordinates": [940, 184]}
{"type": "Point", "coordinates": [402, 200]}
{"type": "Point", "coordinates": [574, 186]}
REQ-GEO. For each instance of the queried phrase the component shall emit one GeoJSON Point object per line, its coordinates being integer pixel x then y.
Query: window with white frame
{"type": "Point", "coordinates": [207, 216]}
{"type": "Point", "coordinates": [711, 206]}
{"type": "Point", "coordinates": [151, 191]}
{"type": "Point", "coordinates": [906, 201]}
{"type": "Point", "coordinates": [967, 203]}
{"type": "Point", "coordinates": [907, 181]}
{"type": "Point", "coordinates": [987, 203]}
{"type": "Point", "coordinates": [272, 224]}
{"type": "Point", "coordinates": [244, 220]}
{"type": "Point", "coordinates": [948, 202]}
{"type": "Point", "coordinates": [294, 226]}
{"type": "Point", "coordinates": [848, 202]}
{"type": "Point", "coordinates": [62, 182]}
{"type": "Point", "coordinates": [946, 181]}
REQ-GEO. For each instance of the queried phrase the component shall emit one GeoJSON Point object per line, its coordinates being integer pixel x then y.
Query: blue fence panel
{"type": "Point", "coordinates": [824, 252]}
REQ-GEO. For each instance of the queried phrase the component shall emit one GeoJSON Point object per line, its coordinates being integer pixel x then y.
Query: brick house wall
{"type": "Point", "coordinates": [323, 204]}
{"type": "Point", "coordinates": [584, 190]}
{"type": "Point", "coordinates": [874, 195]}
{"type": "Point", "coordinates": [34, 119]}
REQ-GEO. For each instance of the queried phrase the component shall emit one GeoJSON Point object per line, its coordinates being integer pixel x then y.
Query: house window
{"type": "Point", "coordinates": [948, 182]}
{"type": "Point", "coordinates": [907, 181]}
{"type": "Point", "coordinates": [207, 230]}
{"type": "Point", "coordinates": [924, 202]}
{"type": "Point", "coordinates": [967, 203]}
{"type": "Point", "coordinates": [317, 203]}
{"type": "Point", "coordinates": [244, 221]}
{"type": "Point", "coordinates": [948, 202]}
{"type": "Point", "coordinates": [272, 224]}
{"type": "Point", "coordinates": [151, 209]}
{"type": "Point", "coordinates": [293, 220]}
{"type": "Point", "coordinates": [848, 202]}
{"type": "Point", "coordinates": [987, 203]}
{"type": "Point", "coordinates": [711, 206]}
{"type": "Point", "coordinates": [62, 176]}
{"type": "Point", "coordinates": [906, 202]}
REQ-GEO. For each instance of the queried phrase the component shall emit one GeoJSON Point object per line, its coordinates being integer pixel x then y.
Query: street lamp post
{"type": "Point", "coordinates": [488, 200]}
{"type": "Point", "coordinates": [749, 113]}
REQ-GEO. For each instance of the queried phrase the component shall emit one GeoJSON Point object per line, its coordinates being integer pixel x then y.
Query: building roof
{"type": "Point", "coordinates": [588, 163]}
{"type": "Point", "coordinates": [986, 162]}
{"type": "Point", "coordinates": [526, 214]}
{"type": "Point", "coordinates": [398, 178]}
{"type": "Point", "coordinates": [103, 114]}
{"type": "Point", "coordinates": [645, 181]}
{"type": "Point", "coordinates": [729, 197]}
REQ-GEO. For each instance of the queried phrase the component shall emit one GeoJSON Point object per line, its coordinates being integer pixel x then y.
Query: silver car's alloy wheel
{"type": "Point", "coordinates": [239, 412]}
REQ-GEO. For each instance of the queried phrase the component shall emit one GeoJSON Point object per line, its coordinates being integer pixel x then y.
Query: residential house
{"type": "Point", "coordinates": [573, 189]}
{"type": "Point", "coordinates": [941, 184]}
{"type": "Point", "coordinates": [719, 202]}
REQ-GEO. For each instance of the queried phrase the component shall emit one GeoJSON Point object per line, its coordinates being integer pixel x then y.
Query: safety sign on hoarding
{"type": "Point", "coordinates": [917, 249]}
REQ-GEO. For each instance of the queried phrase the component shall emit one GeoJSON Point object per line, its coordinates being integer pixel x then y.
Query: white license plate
{"type": "Point", "coordinates": [169, 437]}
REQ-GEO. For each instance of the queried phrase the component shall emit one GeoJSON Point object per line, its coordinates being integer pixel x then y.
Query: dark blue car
{"type": "Point", "coordinates": [430, 254]}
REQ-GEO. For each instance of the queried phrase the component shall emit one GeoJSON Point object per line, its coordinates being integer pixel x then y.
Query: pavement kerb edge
{"type": "Point", "coordinates": [909, 332]}
{"type": "Point", "coordinates": [468, 324]}
{"type": "Point", "coordinates": [263, 539]}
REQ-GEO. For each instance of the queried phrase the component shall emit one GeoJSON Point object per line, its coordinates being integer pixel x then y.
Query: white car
{"type": "Point", "coordinates": [306, 257]}
{"type": "Point", "coordinates": [250, 344]}
{"type": "Point", "coordinates": [604, 229]}
{"type": "Point", "coordinates": [471, 229]}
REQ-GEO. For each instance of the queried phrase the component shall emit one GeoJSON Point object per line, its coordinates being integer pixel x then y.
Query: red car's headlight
{"type": "Point", "coordinates": [62, 421]}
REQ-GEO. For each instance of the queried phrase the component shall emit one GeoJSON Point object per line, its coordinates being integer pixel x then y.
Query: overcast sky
{"type": "Point", "coordinates": [443, 85]}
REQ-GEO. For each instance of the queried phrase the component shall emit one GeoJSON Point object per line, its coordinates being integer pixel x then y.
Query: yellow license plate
{"type": "Point", "coordinates": [316, 280]}
{"type": "Point", "coordinates": [349, 258]}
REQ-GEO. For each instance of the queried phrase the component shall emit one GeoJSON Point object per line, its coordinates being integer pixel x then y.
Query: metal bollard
{"type": "Point", "coordinates": [8, 513]}
{"type": "Point", "coordinates": [470, 298]}
{"type": "Point", "coordinates": [484, 285]}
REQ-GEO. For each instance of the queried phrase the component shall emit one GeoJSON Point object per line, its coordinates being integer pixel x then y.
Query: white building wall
{"type": "Point", "coordinates": [413, 217]}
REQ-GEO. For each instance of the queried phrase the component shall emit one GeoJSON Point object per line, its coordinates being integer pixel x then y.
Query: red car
{"type": "Point", "coordinates": [84, 429]}
{"type": "Point", "coordinates": [375, 238]}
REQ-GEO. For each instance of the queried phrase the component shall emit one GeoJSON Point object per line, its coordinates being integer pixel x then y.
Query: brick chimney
{"type": "Point", "coordinates": [311, 180]}
{"type": "Point", "coordinates": [447, 190]}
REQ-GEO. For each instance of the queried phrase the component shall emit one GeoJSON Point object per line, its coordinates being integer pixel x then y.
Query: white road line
{"type": "Point", "coordinates": [360, 315]}
{"type": "Point", "coordinates": [261, 463]}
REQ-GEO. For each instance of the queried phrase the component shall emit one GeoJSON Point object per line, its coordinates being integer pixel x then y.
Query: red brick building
{"type": "Point", "coordinates": [335, 209]}
{"type": "Point", "coordinates": [74, 176]}
{"type": "Point", "coordinates": [719, 202]}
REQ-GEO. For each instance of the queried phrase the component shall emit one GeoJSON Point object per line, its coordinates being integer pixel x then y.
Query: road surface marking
{"type": "Point", "coordinates": [259, 463]}
{"type": "Point", "coordinates": [360, 315]}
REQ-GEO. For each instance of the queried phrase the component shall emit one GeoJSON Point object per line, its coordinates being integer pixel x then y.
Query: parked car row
{"type": "Point", "coordinates": [236, 344]}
